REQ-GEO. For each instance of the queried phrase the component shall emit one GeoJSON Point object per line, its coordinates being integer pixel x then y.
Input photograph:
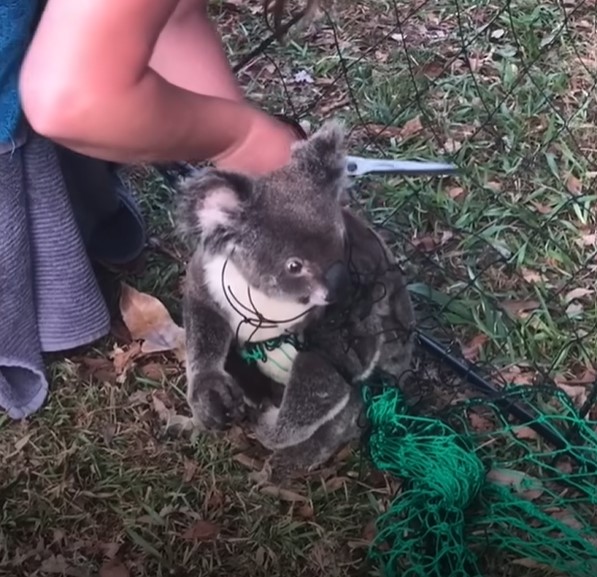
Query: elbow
{"type": "Point", "coordinates": [58, 111]}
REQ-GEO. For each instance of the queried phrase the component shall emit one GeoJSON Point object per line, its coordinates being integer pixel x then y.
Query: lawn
{"type": "Point", "coordinates": [502, 263]}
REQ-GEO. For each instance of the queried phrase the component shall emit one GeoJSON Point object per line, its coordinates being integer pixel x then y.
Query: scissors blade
{"type": "Point", "coordinates": [358, 166]}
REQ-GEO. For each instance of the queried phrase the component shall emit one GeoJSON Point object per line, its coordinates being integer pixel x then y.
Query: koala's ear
{"type": "Point", "coordinates": [210, 200]}
{"type": "Point", "coordinates": [323, 155]}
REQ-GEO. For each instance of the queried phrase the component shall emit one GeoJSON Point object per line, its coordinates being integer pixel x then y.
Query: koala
{"type": "Point", "coordinates": [282, 258]}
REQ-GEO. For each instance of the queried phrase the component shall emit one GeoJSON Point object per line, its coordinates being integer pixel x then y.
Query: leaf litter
{"type": "Point", "coordinates": [149, 321]}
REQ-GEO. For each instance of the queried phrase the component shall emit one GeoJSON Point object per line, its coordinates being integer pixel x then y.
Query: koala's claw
{"type": "Point", "coordinates": [216, 401]}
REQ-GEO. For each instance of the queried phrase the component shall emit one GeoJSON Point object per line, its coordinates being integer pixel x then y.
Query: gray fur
{"type": "Point", "coordinates": [254, 226]}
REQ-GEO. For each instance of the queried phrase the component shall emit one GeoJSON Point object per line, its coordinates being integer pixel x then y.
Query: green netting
{"type": "Point", "coordinates": [473, 482]}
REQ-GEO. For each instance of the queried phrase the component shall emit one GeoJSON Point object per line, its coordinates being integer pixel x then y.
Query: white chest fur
{"type": "Point", "coordinates": [255, 316]}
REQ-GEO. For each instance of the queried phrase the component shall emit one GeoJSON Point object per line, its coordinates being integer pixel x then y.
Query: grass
{"type": "Point", "coordinates": [501, 259]}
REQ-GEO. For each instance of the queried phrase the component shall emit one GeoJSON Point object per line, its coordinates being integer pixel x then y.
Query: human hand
{"type": "Point", "coordinates": [265, 148]}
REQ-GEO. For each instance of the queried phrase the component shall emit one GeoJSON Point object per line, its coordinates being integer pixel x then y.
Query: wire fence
{"type": "Point", "coordinates": [501, 258]}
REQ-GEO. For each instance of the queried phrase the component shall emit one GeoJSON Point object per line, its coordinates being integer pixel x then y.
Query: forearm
{"type": "Point", "coordinates": [152, 121]}
{"type": "Point", "coordinates": [189, 53]}
{"type": "Point", "coordinates": [87, 83]}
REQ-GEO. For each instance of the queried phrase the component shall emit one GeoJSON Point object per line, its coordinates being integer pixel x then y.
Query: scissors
{"type": "Point", "coordinates": [359, 166]}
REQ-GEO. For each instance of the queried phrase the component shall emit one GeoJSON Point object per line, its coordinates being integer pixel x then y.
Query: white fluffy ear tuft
{"type": "Point", "coordinates": [210, 199]}
{"type": "Point", "coordinates": [217, 209]}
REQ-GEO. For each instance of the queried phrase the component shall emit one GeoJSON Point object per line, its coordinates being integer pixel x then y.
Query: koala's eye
{"type": "Point", "coordinates": [294, 266]}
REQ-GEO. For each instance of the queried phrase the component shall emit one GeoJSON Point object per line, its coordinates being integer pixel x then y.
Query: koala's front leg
{"type": "Point", "coordinates": [213, 395]}
{"type": "Point", "coordinates": [317, 449]}
{"type": "Point", "coordinates": [316, 393]}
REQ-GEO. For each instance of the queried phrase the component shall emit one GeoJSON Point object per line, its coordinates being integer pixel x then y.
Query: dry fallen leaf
{"type": "Point", "coordinates": [201, 531]}
{"type": "Point", "coordinates": [472, 349]}
{"type": "Point", "coordinates": [479, 423]}
{"type": "Point", "coordinates": [451, 146]}
{"type": "Point", "coordinates": [455, 192]}
{"type": "Point", "coordinates": [567, 517]}
{"type": "Point", "coordinates": [382, 130]}
{"type": "Point", "coordinates": [306, 512]}
{"type": "Point", "coordinates": [525, 485]}
{"type": "Point", "coordinates": [588, 240]}
{"type": "Point", "coordinates": [190, 468]}
{"type": "Point", "coordinates": [525, 433]}
{"type": "Point", "coordinates": [520, 308]}
{"type": "Point", "coordinates": [100, 369]}
{"type": "Point", "coordinates": [577, 393]}
{"type": "Point", "coordinates": [248, 462]}
{"type": "Point", "coordinates": [532, 276]}
{"type": "Point", "coordinates": [574, 309]}
{"type": "Point", "coordinates": [574, 185]}
{"type": "Point", "coordinates": [168, 415]}
{"type": "Point", "coordinates": [148, 320]}
{"type": "Point", "coordinates": [412, 127]}
{"type": "Point", "coordinates": [370, 531]}
{"type": "Point", "coordinates": [577, 293]}
{"type": "Point", "coordinates": [335, 483]}
{"type": "Point", "coordinates": [282, 494]}
{"type": "Point", "coordinates": [124, 359]}
{"type": "Point", "coordinates": [113, 568]}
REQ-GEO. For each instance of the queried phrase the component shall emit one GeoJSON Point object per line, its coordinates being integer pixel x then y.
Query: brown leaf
{"type": "Point", "coordinates": [588, 239]}
{"type": "Point", "coordinates": [215, 500]}
{"type": "Point", "coordinates": [472, 350]}
{"type": "Point", "coordinates": [335, 483]}
{"type": "Point", "coordinates": [574, 309]}
{"type": "Point", "coordinates": [494, 185]}
{"type": "Point", "coordinates": [412, 127]}
{"type": "Point", "coordinates": [100, 369]}
{"type": "Point", "coordinates": [520, 308]}
{"type": "Point", "coordinates": [190, 468]}
{"type": "Point", "coordinates": [113, 568]}
{"type": "Point", "coordinates": [480, 423]}
{"type": "Point", "coordinates": [567, 517]}
{"type": "Point", "coordinates": [306, 512]}
{"type": "Point", "coordinates": [577, 393]}
{"type": "Point", "coordinates": [455, 192]}
{"type": "Point", "coordinates": [167, 414]}
{"type": "Point", "coordinates": [201, 531]}
{"type": "Point", "coordinates": [577, 293]}
{"type": "Point", "coordinates": [516, 375]}
{"type": "Point", "coordinates": [574, 185]}
{"type": "Point", "coordinates": [282, 494]}
{"type": "Point", "coordinates": [369, 531]}
{"type": "Point", "coordinates": [148, 320]}
{"type": "Point", "coordinates": [426, 243]}
{"type": "Point", "coordinates": [525, 433]}
{"type": "Point", "coordinates": [532, 276]}
{"type": "Point", "coordinates": [153, 371]}
{"type": "Point", "coordinates": [525, 485]}
{"type": "Point", "coordinates": [248, 462]}
{"type": "Point", "coordinates": [124, 360]}
{"type": "Point", "coordinates": [451, 146]}
{"type": "Point", "coordinates": [381, 130]}
{"type": "Point", "coordinates": [542, 208]}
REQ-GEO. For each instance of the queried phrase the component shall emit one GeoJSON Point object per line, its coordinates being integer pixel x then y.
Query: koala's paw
{"type": "Point", "coordinates": [216, 401]}
{"type": "Point", "coordinates": [265, 427]}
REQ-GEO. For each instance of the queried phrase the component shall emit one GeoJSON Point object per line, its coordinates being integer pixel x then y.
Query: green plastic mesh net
{"type": "Point", "coordinates": [473, 481]}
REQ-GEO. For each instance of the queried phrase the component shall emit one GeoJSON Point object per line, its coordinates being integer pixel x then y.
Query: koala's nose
{"type": "Point", "coordinates": [336, 281]}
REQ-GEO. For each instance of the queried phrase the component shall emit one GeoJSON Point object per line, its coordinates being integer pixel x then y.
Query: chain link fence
{"type": "Point", "coordinates": [501, 258]}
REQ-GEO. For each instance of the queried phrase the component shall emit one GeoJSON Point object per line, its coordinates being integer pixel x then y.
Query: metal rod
{"type": "Point", "coordinates": [468, 373]}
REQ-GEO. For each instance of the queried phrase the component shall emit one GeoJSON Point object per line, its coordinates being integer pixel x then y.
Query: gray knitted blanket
{"type": "Point", "coordinates": [49, 297]}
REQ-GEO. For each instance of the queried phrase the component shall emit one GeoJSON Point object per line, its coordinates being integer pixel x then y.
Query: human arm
{"type": "Point", "coordinates": [87, 84]}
